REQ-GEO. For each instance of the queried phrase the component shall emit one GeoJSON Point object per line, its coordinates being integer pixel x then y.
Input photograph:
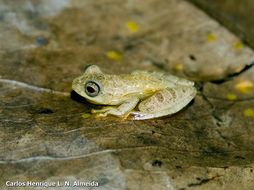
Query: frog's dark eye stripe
{"type": "Point", "coordinates": [92, 89]}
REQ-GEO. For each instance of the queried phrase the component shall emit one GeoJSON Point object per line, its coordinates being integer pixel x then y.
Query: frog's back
{"type": "Point", "coordinates": [162, 79]}
{"type": "Point", "coordinates": [140, 83]}
{"type": "Point", "coordinates": [146, 79]}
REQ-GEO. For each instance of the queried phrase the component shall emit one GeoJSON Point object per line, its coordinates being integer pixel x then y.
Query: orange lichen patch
{"type": "Point", "coordinates": [178, 67]}
{"type": "Point", "coordinates": [231, 96]}
{"type": "Point", "coordinates": [238, 45]}
{"type": "Point", "coordinates": [132, 26]}
{"type": "Point", "coordinates": [211, 37]}
{"type": "Point", "coordinates": [244, 86]}
{"type": "Point", "coordinates": [86, 115]}
{"type": "Point", "coordinates": [248, 112]}
{"type": "Point", "coordinates": [113, 55]}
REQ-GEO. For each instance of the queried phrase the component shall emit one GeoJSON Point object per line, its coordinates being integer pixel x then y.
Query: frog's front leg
{"type": "Point", "coordinates": [164, 102]}
{"type": "Point", "coordinates": [120, 111]}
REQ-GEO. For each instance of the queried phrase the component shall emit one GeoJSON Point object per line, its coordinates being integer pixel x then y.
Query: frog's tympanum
{"type": "Point", "coordinates": [141, 94]}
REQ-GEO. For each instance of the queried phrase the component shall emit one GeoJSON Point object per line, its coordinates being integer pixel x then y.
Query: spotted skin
{"type": "Point", "coordinates": [140, 95]}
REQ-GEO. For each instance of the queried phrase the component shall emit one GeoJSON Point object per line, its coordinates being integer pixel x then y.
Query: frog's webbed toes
{"type": "Point", "coordinates": [94, 111]}
{"type": "Point", "coordinates": [103, 110]}
{"type": "Point", "coordinates": [136, 115]}
{"type": "Point", "coordinates": [97, 115]}
{"type": "Point", "coordinates": [105, 114]}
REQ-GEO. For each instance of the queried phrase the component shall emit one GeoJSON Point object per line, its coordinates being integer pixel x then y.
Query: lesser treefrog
{"type": "Point", "coordinates": [141, 94]}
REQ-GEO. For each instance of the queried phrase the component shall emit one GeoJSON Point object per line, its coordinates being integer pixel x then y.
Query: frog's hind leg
{"type": "Point", "coordinates": [164, 102]}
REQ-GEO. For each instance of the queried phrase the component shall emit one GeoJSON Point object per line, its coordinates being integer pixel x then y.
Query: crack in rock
{"type": "Point", "coordinates": [202, 181]}
{"type": "Point", "coordinates": [232, 75]}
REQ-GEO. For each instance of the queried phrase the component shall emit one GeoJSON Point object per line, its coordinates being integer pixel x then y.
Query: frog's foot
{"type": "Point", "coordinates": [98, 115]}
{"type": "Point", "coordinates": [120, 111]}
{"type": "Point", "coordinates": [145, 115]}
{"type": "Point", "coordinates": [101, 111]}
{"type": "Point", "coordinates": [135, 115]}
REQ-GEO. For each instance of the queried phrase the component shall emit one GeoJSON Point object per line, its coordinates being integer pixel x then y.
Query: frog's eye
{"type": "Point", "coordinates": [92, 89]}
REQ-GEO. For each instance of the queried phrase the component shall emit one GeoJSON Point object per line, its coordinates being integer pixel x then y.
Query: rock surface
{"type": "Point", "coordinates": [45, 45]}
{"type": "Point", "coordinates": [234, 15]}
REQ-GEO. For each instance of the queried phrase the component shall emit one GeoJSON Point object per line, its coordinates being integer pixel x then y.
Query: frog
{"type": "Point", "coordinates": [139, 95]}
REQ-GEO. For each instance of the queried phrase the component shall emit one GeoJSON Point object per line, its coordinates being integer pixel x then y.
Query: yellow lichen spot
{"type": "Point", "coordinates": [113, 55]}
{"type": "Point", "coordinates": [178, 67]}
{"type": "Point", "coordinates": [132, 26]}
{"type": "Point", "coordinates": [211, 37]}
{"type": "Point", "coordinates": [248, 112]}
{"type": "Point", "coordinates": [85, 115]}
{"type": "Point", "coordinates": [231, 96]}
{"type": "Point", "coordinates": [244, 86]}
{"type": "Point", "coordinates": [238, 45]}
